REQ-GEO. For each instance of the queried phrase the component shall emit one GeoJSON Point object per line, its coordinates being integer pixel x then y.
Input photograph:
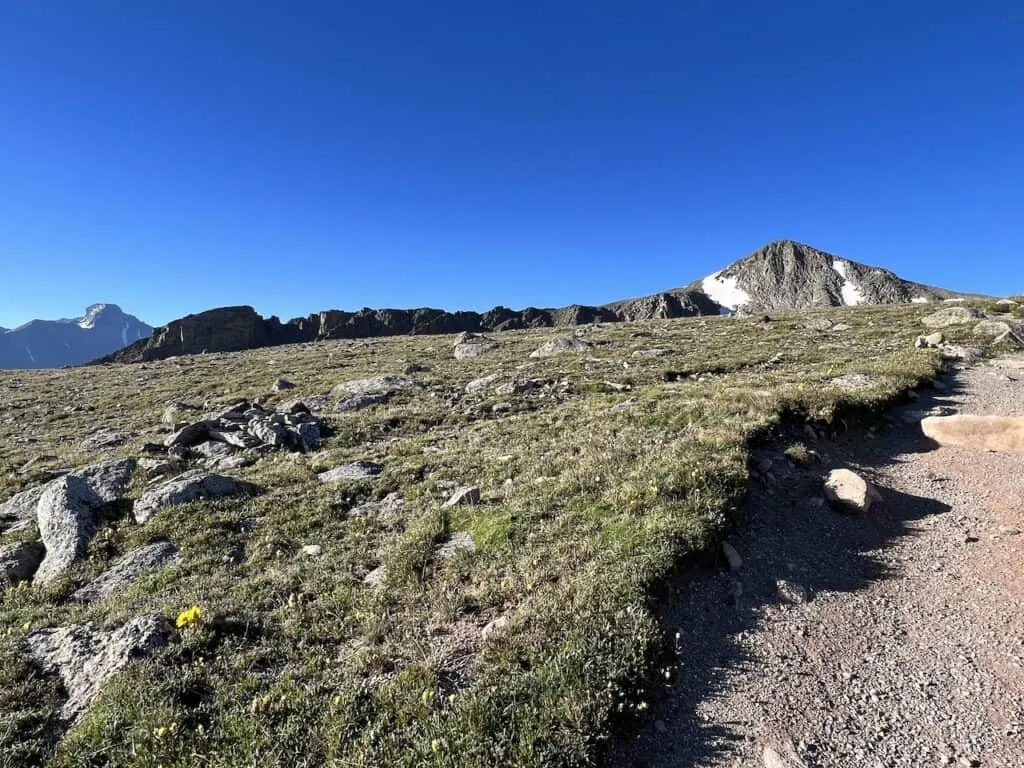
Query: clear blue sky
{"type": "Point", "coordinates": [176, 156]}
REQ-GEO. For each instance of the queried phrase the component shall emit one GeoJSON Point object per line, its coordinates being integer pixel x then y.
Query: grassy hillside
{"type": "Point", "coordinates": [595, 483]}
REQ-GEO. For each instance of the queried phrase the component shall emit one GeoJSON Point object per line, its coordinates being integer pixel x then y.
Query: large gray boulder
{"type": "Point", "coordinates": [190, 486]}
{"type": "Point", "coordinates": [357, 470]}
{"type": "Point", "coordinates": [377, 385]}
{"type": "Point", "coordinates": [19, 561]}
{"type": "Point", "coordinates": [85, 657]}
{"type": "Point", "coordinates": [67, 515]}
{"type": "Point", "coordinates": [110, 479]}
{"type": "Point", "coordinates": [472, 345]}
{"type": "Point", "coordinates": [189, 435]}
{"type": "Point", "coordinates": [848, 492]}
{"type": "Point", "coordinates": [126, 570]}
{"type": "Point", "coordinates": [950, 316]}
{"type": "Point", "coordinates": [561, 347]}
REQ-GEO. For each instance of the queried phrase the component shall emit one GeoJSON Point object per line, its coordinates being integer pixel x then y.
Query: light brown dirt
{"type": "Point", "coordinates": [910, 648]}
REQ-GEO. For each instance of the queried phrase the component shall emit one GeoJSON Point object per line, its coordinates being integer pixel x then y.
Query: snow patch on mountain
{"type": "Point", "coordinates": [725, 291]}
{"type": "Point", "coordinates": [851, 293]}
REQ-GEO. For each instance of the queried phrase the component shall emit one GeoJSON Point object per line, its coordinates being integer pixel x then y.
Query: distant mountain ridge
{"type": "Point", "coordinates": [783, 274]}
{"type": "Point", "coordinates": [104, 328]}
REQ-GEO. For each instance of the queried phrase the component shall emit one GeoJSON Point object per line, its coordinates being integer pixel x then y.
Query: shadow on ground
{"type": "Point", "coordinates": [786, 533]}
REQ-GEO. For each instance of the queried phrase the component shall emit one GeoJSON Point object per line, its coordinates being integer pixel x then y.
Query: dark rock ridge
{"type": "Point", "coordinates": [54, 343]}
{"type": "Point", "coordinates": [783, 274]}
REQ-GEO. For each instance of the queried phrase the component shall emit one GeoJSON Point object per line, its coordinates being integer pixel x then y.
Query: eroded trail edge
{"type": "Point", "coordinates": [894, 638]}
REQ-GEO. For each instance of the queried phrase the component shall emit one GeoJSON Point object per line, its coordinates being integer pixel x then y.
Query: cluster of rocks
{"type": "Point", "coordinates": [244, 426]}
{"type": "Point", "coordinates": [996, 331]}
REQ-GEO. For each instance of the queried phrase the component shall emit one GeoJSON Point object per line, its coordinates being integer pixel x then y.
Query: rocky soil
{"type": "Point", "coordinates": [892, 638]}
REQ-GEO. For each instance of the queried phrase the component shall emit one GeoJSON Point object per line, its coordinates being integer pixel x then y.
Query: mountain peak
{"type": "Point", "coordinates": [95, 312]}
{"type": "Point", "coordinates": [788, 274]}
{"type": "Point", "coordinates": [103, 329]}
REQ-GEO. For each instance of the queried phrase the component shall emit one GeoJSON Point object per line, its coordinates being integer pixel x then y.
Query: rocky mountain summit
{"type": "Point", "coordinates": [789, 275]}
{"type": "Point", "coordinates": [54, 343]}
{"type": "Point", "coordinates": [783, 274]}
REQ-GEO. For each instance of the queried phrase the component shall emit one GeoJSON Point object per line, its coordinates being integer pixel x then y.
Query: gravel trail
{"type": "Point", "coordinates": [890, 639]}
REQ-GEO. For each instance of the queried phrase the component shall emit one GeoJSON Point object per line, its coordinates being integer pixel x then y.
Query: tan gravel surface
{"type": "Point", "coordinates": [909, 648]}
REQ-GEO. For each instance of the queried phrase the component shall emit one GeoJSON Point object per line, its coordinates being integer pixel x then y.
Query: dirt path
{"type": "Point", "coordinates": [910, 648]}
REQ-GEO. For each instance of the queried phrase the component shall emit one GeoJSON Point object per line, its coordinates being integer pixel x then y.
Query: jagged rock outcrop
{"type": "Point", "coordinates": [103, 329]}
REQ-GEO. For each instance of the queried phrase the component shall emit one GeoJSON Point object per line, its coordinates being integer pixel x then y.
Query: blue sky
{"type": "Point", "coordinates": [172, 157]}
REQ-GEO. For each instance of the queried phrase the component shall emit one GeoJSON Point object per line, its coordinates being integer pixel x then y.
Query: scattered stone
{"type": "Point", "coordinates": [18, 562]}
{"type": "Point", "coordinates": [961, 354]}
{"type": "Point", "coordinates": [459, 541]}
{"type": "Point", "coordinates": [931, 341]}
{"type": "Point", "coordinates": [103, 438]}
{"type": "Point", "coordinates": [624, 405]}
{"type": "Point", "coordinates": [375, 578]}
{"type": "Point", "coordinates": [561, 347]}
{"type": "Point", "coordinates": [312, 550]}
{"type": "Point", "coordinates": [466, 495]}
{"type": "Point", "coordinates": [378, 385]}
{"type": "Point", "coordinates": [19, 511]}
{"type": "Point", "coordinates": [161, 467]}
{"type": "Point", "coordinates": [357, 470]}
{"type": "Point", "coordinates": [478, 385]}
{"type": "Point", "coordinates": [282, 384]}
{"type": "Point", "coordinates": [472, 345]}
{"type": "Point", "coordinates": [732, 556]}
{"type": "Point", "coordinates": [67, 516]}
{"type": "Point", "coordinates": [847, 491]}
{"type": "Point", "coordinates": [653, 352]}
{"type": "Point", "coordinates": [493, 627]}
{"type": "Point", "coordinates": [950, 316]}
{"type": "Point", "coordinates": [791, 591]}
{"type": "Point", "coordinates": [387, 508]}
{"type": "Point", "coordinates": [520, 386]}
{"type": "Point", "coordinates": [191, 486]}
{"type": "Point", "coordinates": [818, 323]}
{"type": "Point", "coordinates": [125, 571]}
{"type": "Point", "coordinates": [358, 402]}
{"type": "Point", "coordinates": [85, 657]}
{"type": "Point", "coordinates": [993, 433]}
{"type": "Point", "coordinates": [212, 449]}
{"type": "Point", "coordinates": [839, 327]}
{"type": "Point", "coordinates": [1007, 305]}
{"type": "Point", "coordinates": [189, 435]}
{"type": "Point", "coordinates": [268, 431]}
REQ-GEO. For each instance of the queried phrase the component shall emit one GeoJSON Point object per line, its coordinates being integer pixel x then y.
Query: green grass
{"type": "Point", "coordinates": [585, 511]}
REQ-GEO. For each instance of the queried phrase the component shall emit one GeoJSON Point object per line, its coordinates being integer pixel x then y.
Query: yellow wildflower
{"type": "Point", "coordinates": [189, 617]}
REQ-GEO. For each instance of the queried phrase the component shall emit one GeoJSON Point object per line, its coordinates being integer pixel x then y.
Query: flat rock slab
{"type": "Point", "coordinates": [103, 438]}
{"type": "Point", "coordinates": [85, 657]}
{"type": "Point", "coordinates": [359, 402]}
{"type": "Point", "coordinates": [357, 470]}
{"type": "Point", "coordinates": [378, 385]}
{"type": "Point", "coordinates": [67, 516]}
{"type": "Point", "coordinates": [474, 349]}
{"type": "Point", "coordinates": [992, 433]}
{"type": "Point", "coordinates": [561, 347]}
{"type": "Point", "coordinates": [851, 381]}
{"type": "Point", "coordinates": [18, 562]}
{"type": "Point", "coordinates": [190, 486]}
{"type": "Point", "coordinates": [950, 316]}
{"type": "Point", "coordinates": [126, 570]}
{"type": "Point", "coordinates": [847, 491]}
{"type": "Point", "coordinates": [479, 385]}
{"type": "Point", "coordinates": [460, 541]}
